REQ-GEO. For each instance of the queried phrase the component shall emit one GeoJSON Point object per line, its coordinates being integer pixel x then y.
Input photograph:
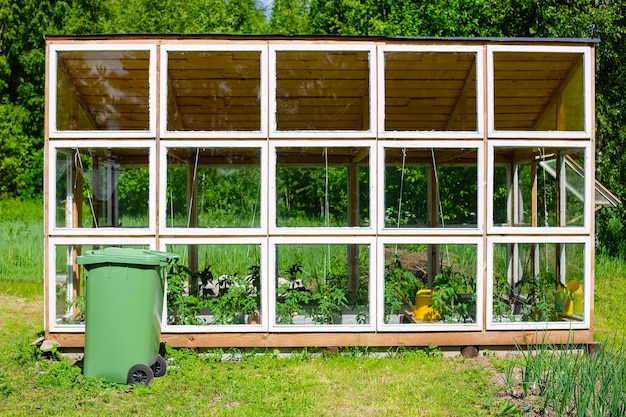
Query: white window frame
{"type": "Point", "coordinates": [547, 231]}
{"type": "Point", "coordinates": [299, 231]}
{"type": "Point", "coordinates": [321, 240]}
{"type": "Point", "coordinates": [220, 134]}
{"type": "Point", "coordinates": [52, 244]}
{"type": "Point", "coordinates": [423, 231]}
{"type": "Point", "coordinates": [55, 133]}
{"type": "Point", "coordinates": [101, 231]}
{"type": "Point", "coordinates": [434, 326]}
{"type": "Point", "coordinates": [369, 47]}
{"type": "Point", "coordinates": [223, 328]}
{"type": "Point", "coordinates": [165, 230]}
{"type": "Point", "coordinates": [553, 134]}
{"type": "Point", "coordinates": [432, 134]}
{"type": "Point", "coordinates": [553, 325]}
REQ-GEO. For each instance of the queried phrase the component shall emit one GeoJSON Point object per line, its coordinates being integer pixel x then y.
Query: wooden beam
{"type": "Point", "coordinates": [78, 97]}
{"type": "Point", "coordinates": [470, 80]}
{"type": "Point", "coordinates": [555, 98]}
{"type": "Point", "coordinates": [296, 340]}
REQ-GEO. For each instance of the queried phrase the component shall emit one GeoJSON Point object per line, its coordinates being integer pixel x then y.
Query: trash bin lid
{"type": "Point", "coordinates": [127, 256]}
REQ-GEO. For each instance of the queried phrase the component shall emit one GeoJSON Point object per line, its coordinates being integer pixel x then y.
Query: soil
{"type": "Point", "coordinates": [526, 406]}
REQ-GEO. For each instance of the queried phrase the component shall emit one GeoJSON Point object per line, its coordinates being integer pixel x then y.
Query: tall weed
{"type": "Point", "coordinates": [21, 246]}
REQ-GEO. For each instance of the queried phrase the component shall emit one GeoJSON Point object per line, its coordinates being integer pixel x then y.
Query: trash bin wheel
{"type": "Point", "coordinates": [159, 367]}
{"type": "Point", "coordinates": [140, 374]}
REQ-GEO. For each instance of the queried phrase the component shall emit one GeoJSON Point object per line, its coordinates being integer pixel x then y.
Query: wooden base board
{"type": "Point", "coordinates": [297, 340]}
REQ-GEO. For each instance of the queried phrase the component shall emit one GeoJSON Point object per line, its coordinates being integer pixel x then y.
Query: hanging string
{"type": "Point", "coordinates": [326, 210]}
{"type": "Point", "coordinates": [401, 195]}
{"type": "Point", "coordinates": [401, 187]}
{"type": "Point", "coordinates": [193, 186]}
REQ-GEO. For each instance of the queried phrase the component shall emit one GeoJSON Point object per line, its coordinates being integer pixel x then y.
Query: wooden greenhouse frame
{"type": "Point", "coordinates": [497, 136]}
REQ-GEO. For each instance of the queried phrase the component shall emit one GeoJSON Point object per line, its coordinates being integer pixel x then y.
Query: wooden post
{"type": "Point", "coordinates": [192, 219]}
{"type": "Point", "coordinates": [433, 204]}
{"type": "Point", "coordinates": [353, 221]}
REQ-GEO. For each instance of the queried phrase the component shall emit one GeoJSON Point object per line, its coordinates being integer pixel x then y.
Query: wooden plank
{"type": "Point", "coordinates": [296, 340]}
{"type": "Point", "coordinates": [214, 74]}
{"type": "Point", "coordinates": [430, 56]}
{"type": "Point", "coordinates": [422, 93]}
{"type": "Point", "coordinates": [223, 87]}
{"type": "Point", "coordinates": [221, 125]}
{"type": "Point", "coordinates": [425, 74]}
{"type": "Point", "coordinates": [320, 84]}
{"type": "Point", "coordinates": [319, 67]}
{"type": "Point", "coordinates": [398, 86]}
{"type": "Point", "coordinates": [329, 74]}
{"type": "Point", "coordinates": [97, 94]}
{"type": "Point", "coordinates": [122, 75]}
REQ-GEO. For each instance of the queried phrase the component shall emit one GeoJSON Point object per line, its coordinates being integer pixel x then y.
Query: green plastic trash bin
{"type": "Point", "coordinates": [124, 305]}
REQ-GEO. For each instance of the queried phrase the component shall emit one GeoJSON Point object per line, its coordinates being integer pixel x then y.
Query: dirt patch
{"type": "Point", "coordinates": [414, 262]}
{"type": "Point", "coordinates": [528, 406]}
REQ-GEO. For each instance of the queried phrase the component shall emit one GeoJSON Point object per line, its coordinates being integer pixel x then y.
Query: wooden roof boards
{"type": "Point", "coordinates": [318, 86]}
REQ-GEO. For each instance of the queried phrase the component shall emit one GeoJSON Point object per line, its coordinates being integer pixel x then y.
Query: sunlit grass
{"type": "Point", "coordinates": [610, 298]}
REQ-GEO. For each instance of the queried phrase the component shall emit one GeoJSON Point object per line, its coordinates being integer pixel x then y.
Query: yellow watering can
{"type": "Point", "coordinates": [573, 301]}
{"type": "Point", "coordinates": [422, 309]}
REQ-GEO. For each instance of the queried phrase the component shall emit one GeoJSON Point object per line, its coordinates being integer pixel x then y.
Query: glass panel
{"type": "Point", "coordinates": [214, 90]}
{"type": "Point", "coordinates": [430, 91]}
{"type": "Point", "coordinates": [322, 284]}
{"type": "Point", "coordinates": [538, 282]}
{"type": "Point", "coordinates": [431, 187]}
{"type": "Point", "coordinates": [322, 187]}
{"type": "Point", "coordinates": [103, 90]}
{"type": "Point", "coordinates": [430, 283]}
{"type": "Point", "coordinates": [102, 187]}
{"type": "Point", "coordinates": [322, 90]}
{"type": "Point", "coordinates": [213, 187]}
{"type": "Point", "coordinates": [214, 284]}
{"type": "Point", "coordinates": [69, 281]}
{"type": "Point", "coordinates": [539, 187]}
{"type": "Point", "coordinates": [539, 91]}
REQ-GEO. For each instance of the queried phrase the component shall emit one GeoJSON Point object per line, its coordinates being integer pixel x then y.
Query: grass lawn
{"type": "Point", "coordinates": [407, 382]}
{"type": "Point", "coordinates": [403, 382]}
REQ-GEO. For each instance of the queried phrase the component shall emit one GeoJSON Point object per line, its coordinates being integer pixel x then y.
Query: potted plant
{"type": "Point", "coordinates": [400, 288]}
{"type": "Point", "coordinates": [183, 306]}
{"type": "Point", "coordinates": [291, 297]}
{"type": "Point", "coordinates": [454, 296]}
{"type": "Point", "coordinates": [329, 299]}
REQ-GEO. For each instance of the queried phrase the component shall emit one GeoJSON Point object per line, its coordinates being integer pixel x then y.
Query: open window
{"type": "Point", "coordinates": [540, 187]}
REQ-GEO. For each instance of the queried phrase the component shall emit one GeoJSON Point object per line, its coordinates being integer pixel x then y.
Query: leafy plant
{"type": "Point", "coordinates": [400, 285]}
{"type": "Point", "coordinates": [328, 300]}
{"type": "Point", "coordinates": [542, 289]}
{"type": "Point", "coordinates": [240, 297]}
{"type": "Point", "coordinates": [78, 305]}
{"type": "Point", "coordinates": [454, 296]}
{"type": "Point", "coordinates": [183, 308]}
{"type": "Point", "coordinates": [291, 303]}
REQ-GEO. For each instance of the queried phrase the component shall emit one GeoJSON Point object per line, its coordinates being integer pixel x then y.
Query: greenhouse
{"type": "Point", "coordinates": [329, 191]}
